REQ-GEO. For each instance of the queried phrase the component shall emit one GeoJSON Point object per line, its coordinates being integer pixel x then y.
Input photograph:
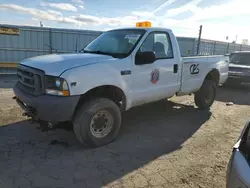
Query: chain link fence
{"type": "Point", "coordinates": [209, 47]}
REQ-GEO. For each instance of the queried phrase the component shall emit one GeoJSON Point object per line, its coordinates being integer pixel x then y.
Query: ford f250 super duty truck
{"type": "Point", "coordinates": [120, 69]}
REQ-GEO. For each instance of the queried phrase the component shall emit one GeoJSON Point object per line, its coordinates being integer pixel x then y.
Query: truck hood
{"type": "Point", "coordinates": [56, 64]}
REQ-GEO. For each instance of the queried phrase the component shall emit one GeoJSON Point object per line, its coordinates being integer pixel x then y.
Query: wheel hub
{"type": "Point", "coordinates": [101, 124]}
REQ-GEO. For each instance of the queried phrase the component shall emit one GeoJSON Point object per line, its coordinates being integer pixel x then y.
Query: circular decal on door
{"type": "Point", "coordinates": [155, 75]}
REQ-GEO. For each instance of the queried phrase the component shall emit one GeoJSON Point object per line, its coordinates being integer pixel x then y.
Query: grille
{"type": "Point", "coordinates": [238, 69]}
{"type": "Point", "coordinates": [30, 80]}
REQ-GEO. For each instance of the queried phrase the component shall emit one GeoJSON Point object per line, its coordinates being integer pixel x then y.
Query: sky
{"type": "Point", "coordinates": [220, 18]}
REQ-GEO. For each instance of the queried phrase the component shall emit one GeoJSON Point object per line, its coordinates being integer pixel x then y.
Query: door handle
{"type": "Point", "coordinates": [175, 68]}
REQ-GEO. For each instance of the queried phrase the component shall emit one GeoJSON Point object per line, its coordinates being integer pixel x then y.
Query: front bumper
{"type": "Point", "coordinates": [238, 79]}
{"type": "Point", "coordinates": [49, 108]}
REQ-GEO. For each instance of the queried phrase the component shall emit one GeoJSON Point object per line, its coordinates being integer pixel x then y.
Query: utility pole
{"type": "Point", "coordinates": [199, 40]}
{"type": "Point", "coordinates": [235, 42]}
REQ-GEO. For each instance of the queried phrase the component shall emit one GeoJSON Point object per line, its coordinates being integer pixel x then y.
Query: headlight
{"type": "Point", "coordinates": [56, 86]}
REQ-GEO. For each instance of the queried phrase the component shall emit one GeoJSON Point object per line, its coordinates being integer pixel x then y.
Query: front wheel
{"type": "Point", "coordinates": [97, 122]}
{"type": "Point", "coordinates": [205, 97]}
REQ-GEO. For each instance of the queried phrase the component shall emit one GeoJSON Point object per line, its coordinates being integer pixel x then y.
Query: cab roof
{"type": "Point", "coordinates": [145, 28]}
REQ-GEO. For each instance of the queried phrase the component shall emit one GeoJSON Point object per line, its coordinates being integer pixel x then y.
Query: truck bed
{"type": "Point", "coordinates": [195, 69]}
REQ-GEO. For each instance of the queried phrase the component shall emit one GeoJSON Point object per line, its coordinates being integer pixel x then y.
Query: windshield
{"type": "Point", "coordinates": [240, 58]}
{"type": "Point", "coordinates": [118, 43]}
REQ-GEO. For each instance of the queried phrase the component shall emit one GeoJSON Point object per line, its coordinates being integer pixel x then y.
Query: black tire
{"type": "Point", "coordinates": [83, 119]}
{"type": "Point", "coordinates": [205, 97]}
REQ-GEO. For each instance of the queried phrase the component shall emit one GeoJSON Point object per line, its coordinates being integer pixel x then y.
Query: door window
{"type": "Point", "coordinates": [160, 44]}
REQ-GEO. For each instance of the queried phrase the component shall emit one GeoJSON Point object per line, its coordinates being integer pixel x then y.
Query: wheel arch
{"type": "Point", "coordinates": [111, 92]}
{"type": "Point", "coordinates": [213, 75]}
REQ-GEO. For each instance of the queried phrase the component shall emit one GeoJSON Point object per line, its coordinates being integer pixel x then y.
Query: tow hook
{"type": "Point", "coordinates": [43, 125]}
{"type": "Point", "coordinates": [29, 115]}
{"type": "Point", "coordinates": [25, 114]}
{"type": "Point", "coordinates": [46, 126]}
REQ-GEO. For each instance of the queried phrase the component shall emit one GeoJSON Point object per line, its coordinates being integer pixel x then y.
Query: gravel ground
{"type": "Point", "coordinates": [164, 144]}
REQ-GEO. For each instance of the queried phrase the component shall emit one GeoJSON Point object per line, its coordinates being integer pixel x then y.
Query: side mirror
{"type": "Point", "coordinates": [142, 58]}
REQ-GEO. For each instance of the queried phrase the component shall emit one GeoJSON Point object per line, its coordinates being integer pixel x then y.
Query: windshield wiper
{"type": "Point", "coordinates": [94, 52]}
{"type": "Point", "coordinates": [102, 53]}
{"type": "Point", "coordinates": [97, 52]}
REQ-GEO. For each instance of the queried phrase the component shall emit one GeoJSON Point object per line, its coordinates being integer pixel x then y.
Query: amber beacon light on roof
{"type": "Point", "coordinates": [144, 24]}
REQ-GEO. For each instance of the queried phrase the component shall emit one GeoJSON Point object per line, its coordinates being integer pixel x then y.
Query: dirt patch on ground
{"type": "Point", "coordinates": [164, 144]}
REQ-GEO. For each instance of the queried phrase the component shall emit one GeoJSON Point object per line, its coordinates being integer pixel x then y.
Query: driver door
{"type": "Point", "coordinates": [158, 80]}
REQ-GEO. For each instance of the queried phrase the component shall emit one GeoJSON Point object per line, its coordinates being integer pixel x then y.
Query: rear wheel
{"type": "Point", "coordinates": [205, 97]}
{"type": "Point", "coordinates": [97, 122]}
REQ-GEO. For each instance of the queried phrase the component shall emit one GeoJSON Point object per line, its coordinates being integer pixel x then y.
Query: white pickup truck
{"type": "Point", "coordinates": [119, 70]}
